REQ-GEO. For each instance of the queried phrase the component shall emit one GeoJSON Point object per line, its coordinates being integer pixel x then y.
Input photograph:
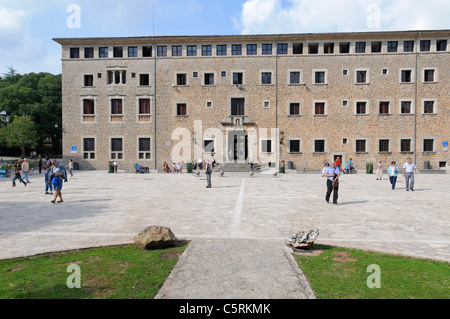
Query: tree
{"type": "Point", "coordinates": [19, 133]}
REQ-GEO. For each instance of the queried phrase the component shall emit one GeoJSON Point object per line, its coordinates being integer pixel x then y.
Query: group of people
{"type": "Point", "coordinates": [176, 168]}
{"type": "Point", "coordinates": [21, 170]}
{"type": "Point", "coordinates": [333, 171]}
{"type": "Point", "coordinates": [112, 167]}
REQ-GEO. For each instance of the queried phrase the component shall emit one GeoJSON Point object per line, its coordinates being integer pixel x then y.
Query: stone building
{"type": "Point", "coordinates": [298, 98]}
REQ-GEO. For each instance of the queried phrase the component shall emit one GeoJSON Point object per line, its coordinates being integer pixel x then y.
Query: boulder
{"type": "Point", "coordinates": [155, 237]}
{"type": "Point", "coordinates": [303, 239]}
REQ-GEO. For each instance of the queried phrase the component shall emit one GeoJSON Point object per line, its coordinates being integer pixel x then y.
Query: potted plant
{"type": "Point", "coordinates": [5, 169]}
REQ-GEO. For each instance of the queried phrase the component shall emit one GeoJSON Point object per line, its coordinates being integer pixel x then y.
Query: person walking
{"type": "Point", "coordinates": [40, 165]}
{"type": "Point", "coordinates": [208, 166]}
{"type": "Point", "coordinates": [392, 171]}
{"type": "Point", "coordinates": [17, 175]}
{"type": "Point", "coordinates": [332, 173]}
{"type": "Point", "coordinates": [48, 181]}
{"type": "Point", "coordinates": [409, 168]}
{"type": "Point", "coordinates": [25, 169]}
{"type": "Point", "coordinates": [379, 170]}
{"type": "Point", "coordinates": [58, 175]}
{"type": "Point", "coordinates": [70, 166]}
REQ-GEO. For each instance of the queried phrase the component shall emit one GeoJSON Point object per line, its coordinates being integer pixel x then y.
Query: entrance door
{"type": "Point", "coordinates": [237, 146]}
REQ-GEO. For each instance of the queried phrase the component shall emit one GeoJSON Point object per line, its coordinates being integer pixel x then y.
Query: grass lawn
{"type": "Point", "coordinates": [340, 273]}
{"type": "Point", "coordinates": [105, 273]}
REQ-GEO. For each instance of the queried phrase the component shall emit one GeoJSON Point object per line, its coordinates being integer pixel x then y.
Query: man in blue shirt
{"type": "Point", "coordinates": [332, 173]}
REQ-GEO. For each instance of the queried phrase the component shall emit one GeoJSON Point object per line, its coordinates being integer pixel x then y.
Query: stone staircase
{"type": "Point", "coordinates": [236, 167]}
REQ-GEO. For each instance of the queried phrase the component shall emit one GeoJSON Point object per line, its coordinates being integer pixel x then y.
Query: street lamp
{"type": "Point", "coordinates": [4, 116]}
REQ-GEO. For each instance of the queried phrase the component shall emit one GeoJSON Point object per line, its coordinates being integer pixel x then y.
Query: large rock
{"type": "Point", "coordinates": [303, 239]}
{"type": "Point", "coordinates": [155, 237]}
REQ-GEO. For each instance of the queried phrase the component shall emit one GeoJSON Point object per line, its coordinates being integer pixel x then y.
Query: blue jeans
{"type": "Point", "coordinates": [17, 177]}
{"type": "Point", "coordinates": [48, 186]}
{"type": "Point", "coordinates": [393, 180]}
{"type": "Point", "coordinates": [25, 176]}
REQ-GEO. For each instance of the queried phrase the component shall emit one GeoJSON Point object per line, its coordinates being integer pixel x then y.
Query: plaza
{"type": "Point", "coordinates": [107, 209]}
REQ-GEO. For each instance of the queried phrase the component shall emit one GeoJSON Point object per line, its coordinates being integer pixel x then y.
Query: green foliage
{"type": "Point", "coordinates": [38, 96]}
{"type": "Point", "coordinates": [19, 133]}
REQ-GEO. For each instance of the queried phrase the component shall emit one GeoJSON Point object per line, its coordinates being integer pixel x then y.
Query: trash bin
{"type": "Point", "coordinates": [75, 166]}
{"type": "Point", "coordinates": [189, 167]}
{"type": "Point", "coordinates": [3, 173]}
{"type": "Point", "coordinates": [291, 165]}
{"type": "Point", "coordinates": [369, 168]}
{"type": "Point", "coordinates": [282, 167]}
{"type": "Point", "coordinates": [427, 165]}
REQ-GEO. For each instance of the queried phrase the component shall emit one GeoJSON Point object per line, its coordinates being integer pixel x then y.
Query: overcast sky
{"type": "Point", "coordinates": [28, 26]}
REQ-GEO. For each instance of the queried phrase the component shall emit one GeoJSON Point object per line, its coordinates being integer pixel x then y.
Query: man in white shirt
{"type": "Point", "coordinates": [409, 168]}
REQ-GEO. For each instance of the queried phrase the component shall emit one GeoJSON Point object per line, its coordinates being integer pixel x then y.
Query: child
{"type": "Point", "coordinates": [17, 176]}
{"type": "Point", "coordinates": [48, 182]}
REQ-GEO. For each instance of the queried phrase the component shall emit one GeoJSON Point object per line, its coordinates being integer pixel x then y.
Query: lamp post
{"type": "Point", "coordinates": [4, 117]}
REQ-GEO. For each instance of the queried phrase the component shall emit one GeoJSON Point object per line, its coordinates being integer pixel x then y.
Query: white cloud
{"type": "Point", "coordinates": [304, 16]}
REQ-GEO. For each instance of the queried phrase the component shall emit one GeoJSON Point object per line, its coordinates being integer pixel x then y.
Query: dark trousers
{"type": "Point", "coordinates": [331, 189]}
{"type": "Point", "coordinates": [393, 180]}
{"type": "Point", "coordinates": [208, 179]}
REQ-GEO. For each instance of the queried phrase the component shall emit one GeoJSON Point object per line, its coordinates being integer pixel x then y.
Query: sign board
{"type": "Point", "coordinates": [444, 144]}
{"type": "Point", "coordinates": [445, 149]}
{"type": "Point", "coordinates": [74, 150]}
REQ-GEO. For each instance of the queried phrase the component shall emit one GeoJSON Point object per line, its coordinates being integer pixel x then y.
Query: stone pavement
{"type": "Point", "coordinates": [240, 220]}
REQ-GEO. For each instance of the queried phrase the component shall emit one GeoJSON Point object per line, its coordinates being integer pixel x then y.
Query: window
{"type": "Point", "coordinates": [223, 74]}
{"type": "Point", "coordinates": [116, 107]}
{"type": "Point", "coordinates": [385, 71]}
{"type": "Point", "coordinates": [144, 106]}
{"type": "Point", "coordinates": [191, 50]}
{"type": "Point", "coordinates": [319, 146]}
{"type": "Point", "coordinates": [251, 49]}
{"type": "Point", "coordinates": [74, 53]}
{"type": "Point", "coordinates": [146, 51]}
{"type": "Point", "coordinates": [195, 74]}
{"type": "Point", "coordinates": [266, 146]}
{"type": "Point", "coordinates": [405, 107]}
{"type": "Point", "coordinates": [266, 78]}
{"type": "Point", "coordinates": [181, 79]}
{"type": "Point", "coordinates": [392, 46]}
{"type": "Point", "coordinates": [345, 103]}
{"type": "Point", "coordinates": [266, 104]}
{"type": "Point", "coordinates": [361, 108]}
{"type": "Point", "coordinates": [405, 145]}
{"type": "Point", "coordinates": [313, 48]}
{"type": "Point", "coordinates": [406, 76]}
{"type": "Point", "coordinates": [408, 46]}
{"type": "Point", "coordinates": [208, 146]}
{"type": "Point", "coordinates": [181, 109]}
{"type": "Point", "coordinates": [297, 48]}
{"type": "Point", "coordinates": [209, 104]}
{"type": "Point", "coordinates": [428, 75]}
{"type": "Point", "coordinates": [162, 51]}
{"type": "Point", "coordinates": [383, 108]}
{"type": "Point", "coordinates": [425, 45]}
{"type": "Point", "coordinates": [103, 52]}
{"type": "Point", "coordinates": [237, 106]}
{"type": "Point", "coordinates": [344, 72]}
{"type": "Point", "coordinates": [238, 78]}
{"type": "Point", "coordinates": [144, 148]}
{"type": "Point", "coordinates": [88, 107]}
{"type": "Point", "coordinates": [344, 47]}
{"type": "Point", "coordinates": [221, 49]}
{"type": "Point", "coordinates": [236, 49]}
{"type": "Point", "coordinates": [319, 108]}
{"type": "Point", "coordinates": [267, 49]}
{"type": "Point", "coordinates": [360, 47]}
{"type": "Point", "coordinates": [361, 77]}
{"type": "Point", "coordinates": [441, 45]}
{"type": "Point", "coordinates": [376, 47]}
{"type": "Point", "coordinates": [428, 107]}
{"type": "Point", "coordinates": [294, 146]}
{"type": "Point", "coordinates": [89, 80]}
{"type": "Point", "coordinates": [328, 48]}
{"type": "Point", "coordinates": [132, 52]}
{"type": "Point", "coordinates": [428, 145]}
{"type": "Point", "coordinates": [360, 146]}
{"type": "Point", "coordinates": [117, 77]}
{"type": "Point", "coordinates": [344, 141]}
{"type": "Point", "coordinates": [144, 79]}
{"type": "Point", "coordinates": [383, 146]}
{"type": "Point", "coordinates": [319, 77]}
{"type": "Point", "coordinates": [88, 148]}
{"type": "Point", "coordinates": [116, 148]}
{"type": "Point", "coordinates": [206, 50]}
{"type": "Point", "coordinates": [282, 48]}
{"type": "Point", "coordinates": [118, 52]}
{"type": "Point", "coordinates": [294, 77]}
{"type": "Point", "coordinates": [209, 79]}
{"type": "Point", "coordinates": [294, 108]}
{"type": "Point", "coordinates": [177, 50]}
{"type": "Point", "coordinates": [88, 53]}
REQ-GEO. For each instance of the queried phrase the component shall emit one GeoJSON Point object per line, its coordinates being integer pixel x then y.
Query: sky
{"type": "Point", "coordinates": [27, 27]}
